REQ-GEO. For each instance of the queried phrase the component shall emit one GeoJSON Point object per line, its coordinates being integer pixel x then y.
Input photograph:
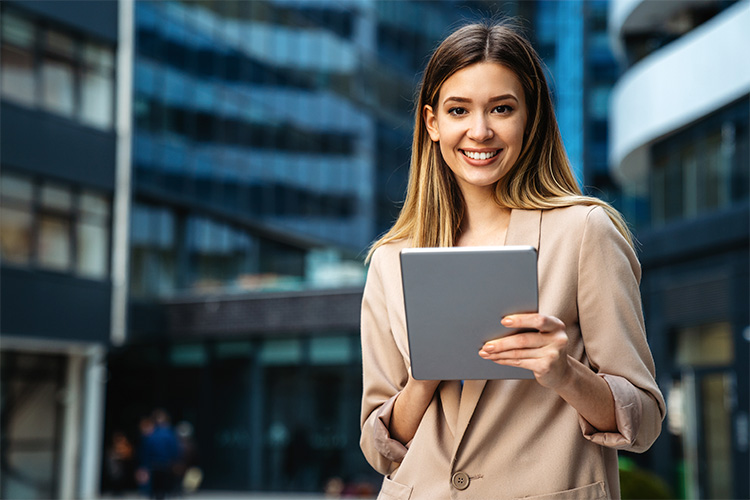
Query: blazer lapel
{"type": "Point", "coordinates": [450, 395]}
{"type": "Point", "coordinates": [523, 229]}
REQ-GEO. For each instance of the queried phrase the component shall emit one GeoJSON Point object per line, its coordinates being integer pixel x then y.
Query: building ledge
{"type": "Point", "coordinates": [249, 315]}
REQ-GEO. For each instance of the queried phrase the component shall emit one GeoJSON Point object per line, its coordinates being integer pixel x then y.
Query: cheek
{"type": "Point", "coordinates": [448, 140]}
{"type": "Point", "coordinates": [514, 138]}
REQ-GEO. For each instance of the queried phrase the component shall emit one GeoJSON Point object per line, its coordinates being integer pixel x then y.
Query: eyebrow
{"type": "Point", "coordinates": [492, 99]}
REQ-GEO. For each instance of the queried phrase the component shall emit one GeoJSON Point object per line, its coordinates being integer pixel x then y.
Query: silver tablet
{"type": "Point", "coordinates": [455, 298]}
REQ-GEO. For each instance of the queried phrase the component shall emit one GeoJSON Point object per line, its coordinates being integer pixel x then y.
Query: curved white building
{"type": "Point", "coordinates": [705, 69]}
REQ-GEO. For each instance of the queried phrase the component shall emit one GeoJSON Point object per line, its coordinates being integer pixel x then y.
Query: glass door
{"type": "Point", "coordinates": [701, 401]}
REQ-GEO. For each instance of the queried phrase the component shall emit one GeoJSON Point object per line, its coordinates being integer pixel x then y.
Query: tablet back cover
{"type": "Point", "coordinates": [455, 298]}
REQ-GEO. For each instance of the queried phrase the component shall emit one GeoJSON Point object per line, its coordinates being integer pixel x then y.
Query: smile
{"type": "Point", "coordinates": [480, 156]}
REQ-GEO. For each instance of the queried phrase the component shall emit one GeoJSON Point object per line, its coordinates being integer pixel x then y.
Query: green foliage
{"type": "Point", "coordinates": [638, 483]}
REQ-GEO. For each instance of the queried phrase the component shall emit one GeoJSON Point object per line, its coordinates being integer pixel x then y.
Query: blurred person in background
{"type": "Point", "coordinates": [160, 456]}
{"type": "Point", "coordinates": [188, 472]}
{"type": "Point", "coordinates": [120, 462]}
{"type": "Point", "coordinates": [489, 169]}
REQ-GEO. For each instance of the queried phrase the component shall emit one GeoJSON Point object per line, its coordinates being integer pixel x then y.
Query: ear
{"type": "Point", "coordinates": [430, 121]}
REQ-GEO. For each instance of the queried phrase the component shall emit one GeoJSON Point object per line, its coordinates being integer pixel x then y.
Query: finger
{"type": "Point", "coordinates": [536, 362]}
{"type": "Point", "coordinates": [513, 354]}
{"type": "Point", "coordinates": [517, 341]}
{"type": "Point", "coordinates": [529, 364]}
{"type": "Point", "coordinates": [536, 321]}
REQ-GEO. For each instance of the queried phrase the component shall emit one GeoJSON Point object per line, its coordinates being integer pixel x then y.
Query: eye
{"type": "Point", "coordinates": [457, 111]}
{"type": "Point", "coordinates": [503, 109]}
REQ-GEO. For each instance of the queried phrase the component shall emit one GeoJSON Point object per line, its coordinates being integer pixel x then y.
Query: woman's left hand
{"type": "Point", "coordinates": [544, 351]}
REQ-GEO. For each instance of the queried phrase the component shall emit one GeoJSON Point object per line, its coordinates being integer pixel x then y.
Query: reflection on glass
{"type": "Point", "coordinates": [16, 221]}
{"type": "Point", "coordinates": [97, 99]}
{"type": "Point", "coordinates": [60, 44]}
{"type": "Point", "coordinates": [53, 248]}
{"type": "Point", "coordinates": [13, 187]}
{"type": "Point", "coordinates": [17, 30]}
{"type": "Point", "coordinates": [17, 74]}
{"type": "Point", "coordinates": [15, 234]}
{"type": "Point", "coordinates": [705, 345]}
{"type": "Point", "coordinates": [92, 250]}
{"type": "Point", "coordinates": [717, 435]}
{"type": "Point", "coordinates": [56, 197]}
{"type": "Point", "coordinates": [281, 352]}
{"type": "Point", "coordinates": [94, 204]}
{"type": "Point", "coordinates": [330, 350]}
{"type": "Point", "coordinates": [58, 86]}
{"type": "Point", "coordinates": [17, 59]}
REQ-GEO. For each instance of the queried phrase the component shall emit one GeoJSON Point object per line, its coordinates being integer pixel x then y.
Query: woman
{"type": "Point", "coordinates": [488, 168]}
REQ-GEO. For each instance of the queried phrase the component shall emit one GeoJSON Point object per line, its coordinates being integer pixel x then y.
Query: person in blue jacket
{"type": "Point", "coordinates": [160, 453]}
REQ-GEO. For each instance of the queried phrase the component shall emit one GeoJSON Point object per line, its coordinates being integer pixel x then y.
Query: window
{"type": "Point", "coordinates": [153, 257]}
{"type": "Point", "coordinates": [54, 242]}
{"type": "Point", "coordinates": [57, 71]}
{"type": "Point", "coordinates": [53, 226]}
{"type": "Point", "coordinates": [703, 168]}
{"type": "Point", "coordinates": [16, 195]}
{"type": "Point", "coordinates": [93, 235]}
{"type": "Point", "coordinates": [58, 74]}
{"type": "Point", "coordinates": [705, 345]}
{"type": "Point", "coordinates": [220, 253]}
{"type": "Point", "coordinates": [97, 99]}
{"type": "Point", "coordinates": [17, 67]}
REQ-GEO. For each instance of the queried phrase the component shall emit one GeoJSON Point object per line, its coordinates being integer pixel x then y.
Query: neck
{"type": "Point", "coordinates": [485, 222]}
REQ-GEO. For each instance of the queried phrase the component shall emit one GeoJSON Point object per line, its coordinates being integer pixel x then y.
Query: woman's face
{"type": "Point", "coordinates": [479, 123]}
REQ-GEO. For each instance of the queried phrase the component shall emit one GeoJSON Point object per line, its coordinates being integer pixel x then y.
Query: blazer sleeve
{"type": "Point", "coordinates": [384, 375]}
{"type": "Point", "coordinates": [614, 335]}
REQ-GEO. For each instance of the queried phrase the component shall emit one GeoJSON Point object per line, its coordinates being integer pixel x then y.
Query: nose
{"type": "Point", "coordinates": [480, 129]}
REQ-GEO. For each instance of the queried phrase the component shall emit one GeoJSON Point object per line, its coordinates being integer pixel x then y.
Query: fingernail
{"type": "Point", "coordinates": [483, 353]}
{"type": "Point", "coordinates": [507, 321]}
{"type": "Point", "coordinates": [488, 348]}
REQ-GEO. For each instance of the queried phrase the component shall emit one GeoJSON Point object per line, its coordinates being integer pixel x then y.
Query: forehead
{"type": "Point", "coordinates": [481, 81]}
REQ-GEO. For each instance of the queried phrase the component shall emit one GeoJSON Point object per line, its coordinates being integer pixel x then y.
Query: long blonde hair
{"type": "Point", "coordinates": [541, 177]}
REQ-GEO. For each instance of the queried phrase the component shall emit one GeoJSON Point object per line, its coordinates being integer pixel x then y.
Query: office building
{"type": "Point", "coordinates": [679, 145]}
{"type": "Point", "coordinates": [60, 190]}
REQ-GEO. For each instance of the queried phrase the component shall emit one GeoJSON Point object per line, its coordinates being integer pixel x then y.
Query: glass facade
{"type": "Point", "coordinates": [239, 114]}
{"type": "Point", "coordinates": [270, 133]}
{"type": "Point", "coordinates": [571, 37]}
{"type": "Point", "coordinates": [696, 171]}
{"type": "Point", "coordinates": [560, 34]}
{"type": "Point", "coordinates": [703, 168]}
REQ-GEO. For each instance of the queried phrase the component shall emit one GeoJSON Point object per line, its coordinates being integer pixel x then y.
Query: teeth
{"type": "Point", "coordinates": [480, 156]}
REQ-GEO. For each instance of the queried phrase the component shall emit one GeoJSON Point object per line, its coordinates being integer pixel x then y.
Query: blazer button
{"type": "Point", "coordinates": [460, 480]}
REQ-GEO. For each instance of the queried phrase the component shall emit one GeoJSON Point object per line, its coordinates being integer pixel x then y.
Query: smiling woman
{"type": "Point", "coordinates": [479, 123]}
{"type": "Point", "coordinates": [489, 168]}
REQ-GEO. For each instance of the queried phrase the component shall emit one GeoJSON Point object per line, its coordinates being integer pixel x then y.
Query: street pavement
{"type": "Point", "coordinates": [224, 495]}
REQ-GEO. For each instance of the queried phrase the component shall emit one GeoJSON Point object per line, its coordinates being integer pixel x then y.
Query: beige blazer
{"type": "Point", "coordinates": [511, 439]}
